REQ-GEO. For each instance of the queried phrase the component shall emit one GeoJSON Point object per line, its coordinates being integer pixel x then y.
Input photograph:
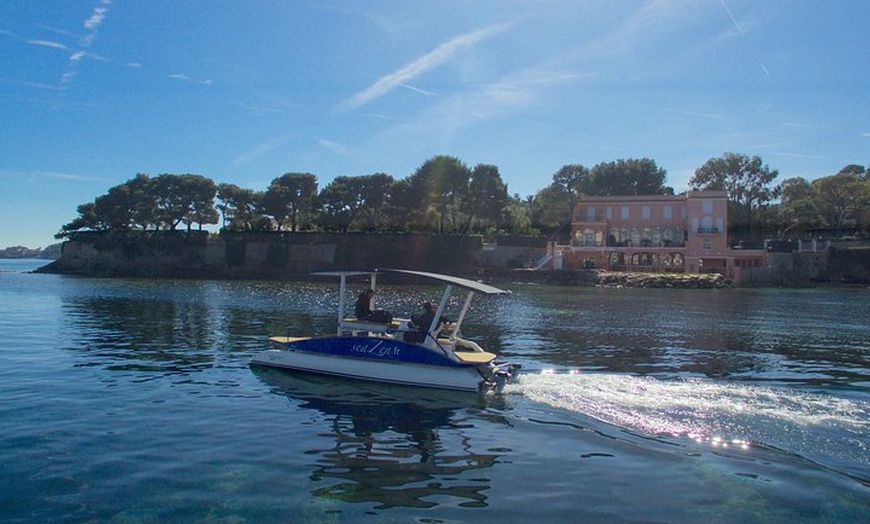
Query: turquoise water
{"type": "Point", "coordinates": [132, 401]}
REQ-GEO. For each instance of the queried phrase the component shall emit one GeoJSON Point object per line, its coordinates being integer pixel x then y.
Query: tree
{"type": "Point", "coordinates": [240, 207]}
{"type": "Point", "coordinates": [436, 190]}
{"type": "Point", "coordinates": [746, 181]}
{"type": "Point", "coordinates": [486, 199]}
{"type": "Point", "coordinates": [202, 194]}
{"type": "Point", "coordinates": [553, 206]}
{"type": "Point", "coordinates": [360, 200]}
{"type": "Point", "coordinates": [124, 207]}
{"type": "Point", "coordinates": [87, 219]}
{"type": "Point", "coordinates": [626, 177]}
{"type": "Point", "coordinates": [127, 206]}
{"type": "Point", "coordinates": [375, 193]}
{"type": "Point", "coordinates": [518, 215]}
{"type": "Point", "coordinates": [854, 169]}
{"type": "Point", "coordinates": [187, 199]}
{"type": "Point", "coordinates": [797, 205]}
{"type": "Point", "coordinates": [400, 211]}
{"type": "Point", "coordinates": [338, 203]}
{"type": "Point", "coordinates": [841, 198]}
{"type": "Point", "coordinates": [573, 179]}
{"type": "Point", "coordinates": [290, 199]}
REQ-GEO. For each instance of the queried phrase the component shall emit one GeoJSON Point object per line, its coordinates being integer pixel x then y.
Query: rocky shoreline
{"type": "Point", "coordinates": [613, 279]}
{"type": "Point", "coordinates": [664, 280]}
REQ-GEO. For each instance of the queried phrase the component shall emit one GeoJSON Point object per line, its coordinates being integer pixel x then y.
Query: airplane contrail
{"type": "Point", "coordinates": [730, 14]}
{"type": "Point", "coordinates": [430, 60]}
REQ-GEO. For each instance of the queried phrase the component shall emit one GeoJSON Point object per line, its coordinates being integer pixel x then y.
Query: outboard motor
{"type": "Point", "coordinates": [504, 373]}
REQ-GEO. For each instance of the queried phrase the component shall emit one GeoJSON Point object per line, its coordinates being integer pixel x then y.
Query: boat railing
{"type": "Point", "coordinates": [363, 326]}
{"type": "Point", "coordinates": [397, 325]}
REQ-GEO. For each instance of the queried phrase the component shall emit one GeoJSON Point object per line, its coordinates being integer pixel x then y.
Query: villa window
{"type": "Point", "coordinates": [624, 212]}
{"type": "Point", "coordinates": [645, 212]}
{"type": "Point", "coordinates": [589, 238]}
{"type": "Point", "coordinates": [667, 213]}
{"type": "Point", "coordinates": [707, 244]}
{"type": "Point", "coordinates": [590, 213]}
{"type": "Point", "coordinates": [707, 207]}
{"type": "Point", "coordinates": [608, 213]}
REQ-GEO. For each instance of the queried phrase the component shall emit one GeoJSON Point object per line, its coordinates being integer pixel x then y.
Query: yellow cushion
{"type": "Point", "coordinates": [475, 357]}
{"type": "Point", "coordinates": [286, 340]}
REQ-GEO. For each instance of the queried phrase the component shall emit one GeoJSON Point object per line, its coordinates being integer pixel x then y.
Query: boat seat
{"type": "Point", "coordinates": [475, 357]}
{"type": "Point", "coordinates": [352, 324]}
{"type": "Point", "coordinates": [286, 340]}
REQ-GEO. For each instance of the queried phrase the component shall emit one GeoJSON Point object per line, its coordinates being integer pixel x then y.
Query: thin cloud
{"type": "Point", "coordinates": [51, 175]}
{"type": "Point", "coordinates": [55, 175]}
{"type": "Point", "coordinates": [333, 146]}
{"type": "Point", "coordinates": [97, 17]}
{"type": "Point", "coordinates": [262, 149]}
{"type": "Point", "coordinates": [519, 92]}
{"type": "Point", "coordinates": [47, 43]}
{"type": "Point", "coordinates": [185, 78]}
{"type": "Point", "coordinates": [710, 116]}
{"type": "Point", "coordinates": [440, 55]}
{"type": "Point", "coordinates": [806, 125]}
{"type": "Point", "coordinates": [655, 19]}
{"type": "Point", "coordinates": [799, 155]}
{"type": "Point", "coordinates": [764, 68]}
{"type": "Point", "coordinates": [39, 85]}
{"type": "Point", "coordinates": [380, 116]}
{"type": "Point", "coordinates": [731, 15]}
{"type": "Point", "coordinates": [418, 90]}
{"type": "Point", "coordinates": [91, 24]}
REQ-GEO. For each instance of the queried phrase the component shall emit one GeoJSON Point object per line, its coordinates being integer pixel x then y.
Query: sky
{"type": "Point", "coordinates": [93, 92]}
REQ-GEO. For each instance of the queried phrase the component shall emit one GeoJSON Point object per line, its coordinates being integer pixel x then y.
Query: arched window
{"type": "Point", "coordinates": [617, 261]}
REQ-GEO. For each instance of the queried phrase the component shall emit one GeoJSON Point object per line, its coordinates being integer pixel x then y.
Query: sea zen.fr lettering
{"type": "Point", "coordinates": [379, 349]}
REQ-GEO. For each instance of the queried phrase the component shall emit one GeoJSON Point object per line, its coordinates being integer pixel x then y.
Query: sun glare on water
{"type": "Point", "coordinates": [718, 414]}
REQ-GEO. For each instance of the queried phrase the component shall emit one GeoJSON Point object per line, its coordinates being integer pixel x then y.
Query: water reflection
{"type": "Point", "coordinates": [392, 446]}
{"type": "Point", "coordinates": [170, 328]}
{"type": "Point", "coordinates": [747, 334]}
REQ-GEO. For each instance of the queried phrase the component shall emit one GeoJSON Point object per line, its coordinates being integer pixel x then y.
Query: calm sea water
{"type": "Point", "coordinates": [132, 401]}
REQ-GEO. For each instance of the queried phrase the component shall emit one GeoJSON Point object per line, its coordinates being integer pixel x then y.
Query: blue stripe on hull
{"type": "Point", "coordinates": [375, 349]}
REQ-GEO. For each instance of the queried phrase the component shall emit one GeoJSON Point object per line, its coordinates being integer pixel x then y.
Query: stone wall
{"type": "Point", "coordinates": [272, 255]}
{"type": "Point", "coordinates": [849, 265]}
{"type": "Point", "coordinates": [284, 255]}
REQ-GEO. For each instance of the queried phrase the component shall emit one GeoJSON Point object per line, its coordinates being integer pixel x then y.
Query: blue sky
{"type": "Point", "coordinates": [93, 92]}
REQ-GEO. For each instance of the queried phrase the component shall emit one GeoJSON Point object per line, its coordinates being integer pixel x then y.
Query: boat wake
{"type": "Point", "coordinates": [830, 430]}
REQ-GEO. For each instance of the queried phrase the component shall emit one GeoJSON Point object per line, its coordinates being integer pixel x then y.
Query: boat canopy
{"type": "Point", "coordinates": [470, 285]}
{"type": "Point", "coordinates": [449, 281]}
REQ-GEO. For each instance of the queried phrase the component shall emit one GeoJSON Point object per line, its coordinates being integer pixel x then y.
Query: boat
{"type": "Point", "coordinates": [397, 351]}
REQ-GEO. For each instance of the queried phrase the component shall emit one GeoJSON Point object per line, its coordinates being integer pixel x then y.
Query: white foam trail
{"type": "Point", "coordinates": [715, 412]}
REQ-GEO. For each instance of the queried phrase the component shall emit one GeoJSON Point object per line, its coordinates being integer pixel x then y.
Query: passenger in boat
{"type": "Point", "coordinates": [422, 321]}
{"type": "Point", "coordinates": [363, 309]}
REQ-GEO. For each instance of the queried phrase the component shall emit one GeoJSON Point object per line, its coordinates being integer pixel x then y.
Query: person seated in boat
{"type": "Point", "coordinates": [363, 309]}
{"type": "Point", "coordinates": [420, 323]}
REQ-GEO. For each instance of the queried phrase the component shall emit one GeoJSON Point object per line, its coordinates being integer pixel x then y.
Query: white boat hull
{"type": "Point", "coordinates": [454, 378]}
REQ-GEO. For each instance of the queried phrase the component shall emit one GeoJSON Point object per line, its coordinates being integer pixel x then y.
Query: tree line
{"type": "Point", "coordinates": [445, 196]}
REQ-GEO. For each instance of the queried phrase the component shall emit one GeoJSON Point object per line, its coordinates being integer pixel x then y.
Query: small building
{"type": "Point", "coordinates": [684, 233]}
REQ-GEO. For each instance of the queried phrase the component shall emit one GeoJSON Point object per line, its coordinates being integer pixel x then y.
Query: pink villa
{"type": "Point", "coordinates": [684, 233]}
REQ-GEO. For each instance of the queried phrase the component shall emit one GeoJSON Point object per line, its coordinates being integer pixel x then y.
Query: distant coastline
{"type": "Point", "coordinates": [293, 256]}
{"type": "Point", "coordinates": [51, 252]}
